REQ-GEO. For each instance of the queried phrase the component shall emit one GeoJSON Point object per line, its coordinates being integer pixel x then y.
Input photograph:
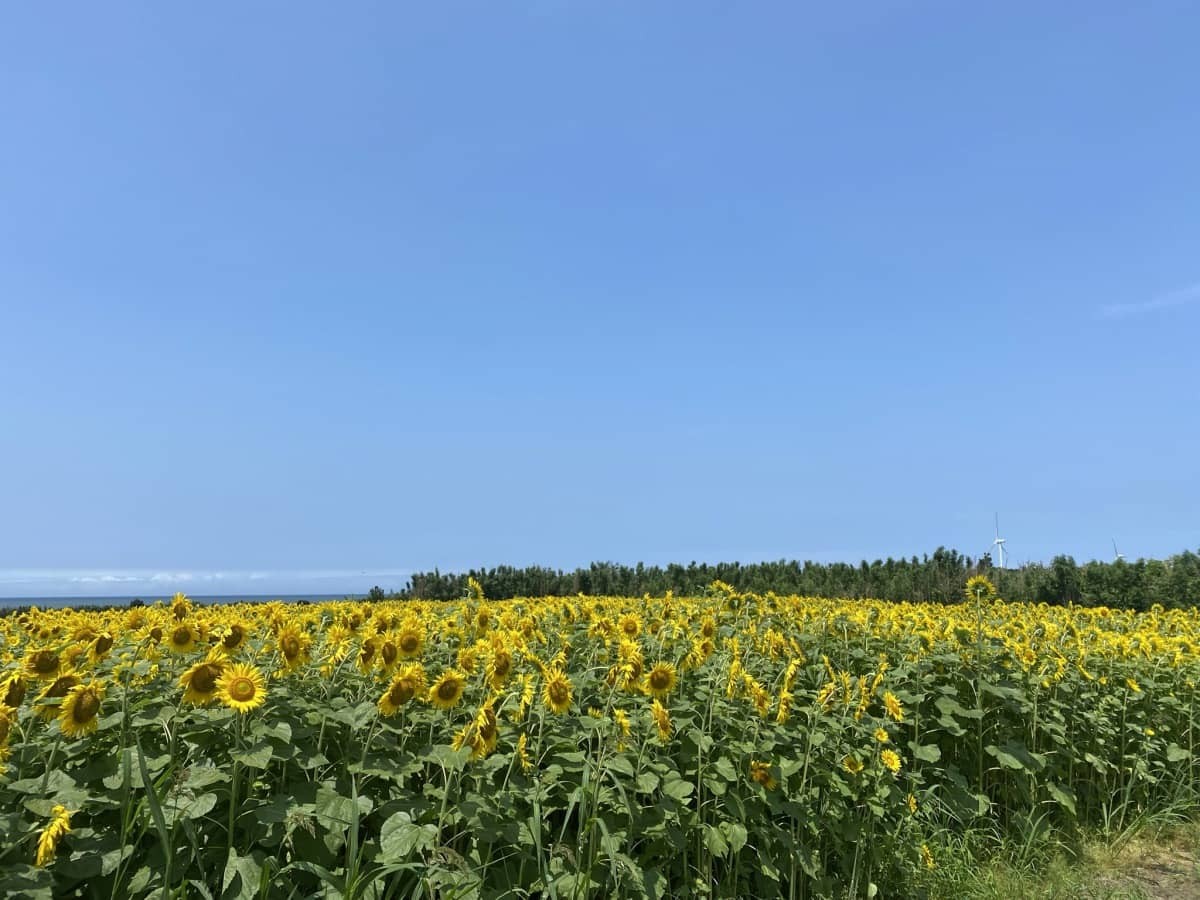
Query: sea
{"type": "Point", "coordinates": [147, 599]}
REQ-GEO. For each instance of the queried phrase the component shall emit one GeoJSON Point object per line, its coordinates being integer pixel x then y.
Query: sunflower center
{"type": "Point", "coordinates": [45, 662]}
{"type": "Point", "coordinates": [234, 637]}
{"type": "Point", "coordinates": [103, 643]}
{"type": "Point", "coordinates": [447, 690]}
{"type": "Point", "coordinates": [502, 664]}
{"type": "Point", "coordinates": [205, 679]}
{"type": "Point", "coordinates": [409, 643]}
{"type": "Point", "coordinates": [388, 652]}
{"type": "Point", "coordinates": [156, 632]}
{"type": "Point", "coordinates": [402, 691]}
{"type": "Point", "coordinates": [660, 681]}
{"type": "Point", "coordinates": [181, 636]}
{"type": "Point", "coordinates": [60, 687]}
{"type": "Point", "coordinates": [559, 693]}
{"type": "Point", "coordinates": [242, 689]}
{"type": "Point", "coordinates": [86, 707]}
{"type": "Point", "coordinates": [291, 646]}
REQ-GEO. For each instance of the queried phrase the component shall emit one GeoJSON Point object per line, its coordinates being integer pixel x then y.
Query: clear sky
{"type": "Point", "coordinates": [302, 292]}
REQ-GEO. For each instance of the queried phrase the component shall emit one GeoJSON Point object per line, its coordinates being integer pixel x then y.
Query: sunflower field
{"type": "Point", "coordinates": [728, 745]}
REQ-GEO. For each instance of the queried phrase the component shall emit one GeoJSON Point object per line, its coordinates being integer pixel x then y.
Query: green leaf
{"type": "Point", "coordinates": [621, 765]}
{"type": "Point", "coordinates": [725, 768]}
{"type": "Point", "coordinates": [246, 872]}
{"type": "Point", "coordinates": [735, 835]}
{"type": "Point", "coordinates": [1175, 753]}
{"type": "Point", "coordinates": [678, 789]}
{"type": "Point", "coordinates": [400, 836]}
{"type": "Point", "coordinates": [925, 752]}
{"type": "Point", "coordinates": [714, 840]}
{"type": "Point", "coordinates": [1063, 795]}
{"type": "Point", "coordinates": [257, 757]}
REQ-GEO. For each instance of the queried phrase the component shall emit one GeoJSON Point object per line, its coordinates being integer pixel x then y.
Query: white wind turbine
{"type": "Point", "coordinates": [999, 542]}
{"type": "Point", "coordinates": [1117, 554]}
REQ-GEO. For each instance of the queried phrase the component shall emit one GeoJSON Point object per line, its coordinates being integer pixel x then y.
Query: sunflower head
{"type": "Point", "coordinates": [43, 664]}
{"type": "Point", "coordinates": [447, 691]}
{"type": "Point", "coordinates": [12, 690]}
{"type": "Point", "coordinates": [242, 687]}
{"type": "Point", "coordinates": [80, 710]}
{"type": "Point", "coordinates": [50, 700]}
{"type": "Point", "coordinates": [294, 646]}
{"type": "Point", "coordinates": [408, 683]}
{"type": "Point", "coordinates": [661, 680]}
{"type": "Point", "coordinates": [199, 683]}
{"type": "Point", "coordinates": [181, 638]}
{"type": "Point", "coordinates": [557, 691]}
{"type": "Point", "coordinates": [410, 642]}
{"type": "Point", "coordinates": [980, 588]}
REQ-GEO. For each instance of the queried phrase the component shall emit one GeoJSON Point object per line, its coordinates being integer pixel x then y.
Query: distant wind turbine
{"type": "Point", "coordinates": [1117, 554]}
{"type": "Point", "coordinates": [999, 542]}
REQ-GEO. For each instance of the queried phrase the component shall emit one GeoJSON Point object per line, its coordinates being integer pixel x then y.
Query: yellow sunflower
{"type": "Point", "coordinates": [182, 639]}
{"type": "Point", "coordinates": [556, 692]}
{"type": "Point", "coordinates": [294, 647]}
{"type": "Point", "coordinates": [448, 689]}
{"type": "Point", "coordinates": [410, 642]}
{"type": "Point", "coordinates": [852, 765]}
{"type": "Point", "coordinates": [199, 683]}
{"type": "Point", "coordinates": [893, 707]}
{"type": "Point", "coordinates": [661, 680]}
{"type": "Point", "coordinates": [662, 719]}
{"type": "Point", "coordinates": [242, 687]}
{"type": "Point", "coordinates": [499, 668]}
{"type": "Point", "coordinates": [891, 759]}
{"type": "Point", "coordinates": [80, 711]}
{"type": "Point", "coordinates": [760, 772]}
{"type": "Point", "coordinates": [12, 690]}
{"type": "Point", "coordinates": [42, 664]}
{"type": "Point", "coordinates": [233, 636]}
{"type": "Point", "coordinates": [100, 647]}
{"type": "Point", "coordinates": [50, 699]}
{"type": "Point", "coordinates": [58, 828]}
{"type": "Point", "coordinates": [408, 683]}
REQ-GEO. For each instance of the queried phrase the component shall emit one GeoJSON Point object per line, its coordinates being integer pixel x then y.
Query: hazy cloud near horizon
{"type": "Point", "coordinates": [155, 582]}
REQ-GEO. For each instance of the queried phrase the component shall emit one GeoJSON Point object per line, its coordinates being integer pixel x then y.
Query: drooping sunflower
{"type": "Point", "coordinates": [58, 828]}
{"type": "Point", "coordinates": [852, 764]}
{"type": "Point", "coordinates": [760, 772]}
{"type": "Point", "coordinates": [233, 636]}
{"type": "Point", "coordinates": [662, 719]}
{"type": "Point", "coordinates": [242, 687]}
{"type": "Point", "coordinates": [294, 647]}
{"type": "Point", "coordinates": [389, 655]}
{"type": "Point", "coordinates": [49, 701]}
{"type": "Point", "coordinates": [12, 690]}
{"type": "Point", "coordinates": [42, 664]}
{"type": "Point", "coordinates": [661, 680]}
{"type": "Point", "coordinates": [448, 689]}
{"type": "Point", "coordinates": [499, 668]}
{"type": "Point", "coordinates": [8, 715]}
{"type": "Point", "coordinates": [80, 710]}
{"type": "Point", "coordinates": [408, 683]}
{"type": "Point", "coordinates": [182, 639]}
{"type": "Point", "coordinates": [367, 655]}
{"type": "Point", "coordinates": [180, 606]}
{"type": "Point", "coordinates": [892, 704]}
{"type": "Point", "coordinates": [100, 647]}
{"type": "Point", "coordinates": [523, 752]}
{"type": "Point", "coordinates": [556, 692]}
{"type": "Point", "coordinates": [199, 683]}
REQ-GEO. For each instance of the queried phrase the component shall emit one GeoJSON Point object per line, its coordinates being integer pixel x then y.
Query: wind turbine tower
{"type": "Point", "coordinates": [1117, 554]}
{"type": "Point", "coordinates": [999, 542]}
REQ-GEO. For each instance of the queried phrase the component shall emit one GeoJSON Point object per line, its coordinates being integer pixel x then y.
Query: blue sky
{"type": "Point", "coordinates": [292, 293]}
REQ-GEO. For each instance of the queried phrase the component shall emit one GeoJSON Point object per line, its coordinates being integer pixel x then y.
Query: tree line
{"type": "Point", "coordinates": [939, 577]}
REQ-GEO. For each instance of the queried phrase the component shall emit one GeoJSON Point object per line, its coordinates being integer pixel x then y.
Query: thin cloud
{"type": "Point", "coordinates": [1180, 297]}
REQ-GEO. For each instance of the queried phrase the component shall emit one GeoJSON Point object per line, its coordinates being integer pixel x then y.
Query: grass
{"type": "Point", "coordinates": [1158, 860]}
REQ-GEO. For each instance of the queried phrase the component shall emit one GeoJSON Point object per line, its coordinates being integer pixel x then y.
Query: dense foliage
{"type": "Point", "coordinates": [723, 745]}
{"type": "Point", "coordinates": [936, 578]}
